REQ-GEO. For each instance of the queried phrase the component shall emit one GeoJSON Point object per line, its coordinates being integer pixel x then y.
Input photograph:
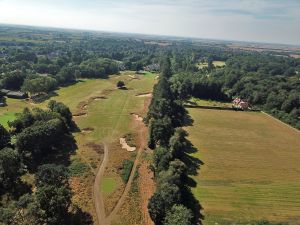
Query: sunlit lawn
{"type": "Point", "coordinates": [251, 167]}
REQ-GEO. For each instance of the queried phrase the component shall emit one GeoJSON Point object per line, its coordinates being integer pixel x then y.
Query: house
{"type": "Point", "coordinates": [240, 104]}
{"type": "Point", "coordinates": [152, 67]}
{"type": "Point", "coordinates": [14, 94]}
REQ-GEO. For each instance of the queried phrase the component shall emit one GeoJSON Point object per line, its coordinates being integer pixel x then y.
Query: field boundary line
{"type": "Point", "coordinates": [274, 118]}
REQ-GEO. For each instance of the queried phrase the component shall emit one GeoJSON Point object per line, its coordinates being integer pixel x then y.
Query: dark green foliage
{"type": "Point", "coordinates": [11, 168]}
{"type": "Point", "coordinates": [51, 174]}
{"type": "Point", "coordinates": [178, 215]}
{"type": "Point", "coordinates": [53, 202]}
{"type": "Point", "coordinates": [63, 111]}
{"type": "Point", "coordinates": [66, 75]}
{"type": "Point", "coordinates": [77, 168]}
{"type": "Point", "coordinates": [156, 208]}
{"type": "Point", "coordinates": [166, 114]}
{"type": "Point", "coordinates": [126, 170]}
{"type": "Point", "coordinates": [120, 84]}
{"type": "Point", "coordinates": [41, 139]}
{"type": "Point", "coordinates": [161, 159]}
{"type": "Point", "coordinates": [178, 143]}
{"type": "Point", "coordinates": [4, 137]}
{"type": "Point", "coordinates": [13, 80]}
{"type": "Point", "coordinates": [39, 85]}
{"type": "Point", "coordinates": [98, 68]}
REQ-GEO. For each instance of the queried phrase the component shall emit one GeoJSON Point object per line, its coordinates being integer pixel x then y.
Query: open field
{"type": "Point", "coordinates": [103, 114]}
{"type": "Point", "coordinates": [215, 63]}
{"type": "Point", "coordinates": [251, 167]}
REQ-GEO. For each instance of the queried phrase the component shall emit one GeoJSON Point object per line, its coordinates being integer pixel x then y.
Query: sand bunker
{"type": "Point", "coordinates": [137, 117]}
{"type": "Point", "coordinates": [144, 95]}
{"type": "Point", "coordinates": [134, 77]}
{"type": "Point", "coordinates": [98, 98]}
{"type": "Point", "coordinates": [87, 130]}
{"type": "Point", "coordinates": [81, 114]}
{"type": "Point", "coordinates": [126, 146]}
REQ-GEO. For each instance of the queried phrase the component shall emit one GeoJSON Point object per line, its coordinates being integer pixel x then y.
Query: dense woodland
{"type": "Point", "coordinates": [39, 142]}
{"type": "Point", "coordinates": [39, 61]}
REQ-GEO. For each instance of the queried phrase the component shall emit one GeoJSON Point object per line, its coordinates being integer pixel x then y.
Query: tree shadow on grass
{"type": "Point", "coordinates": [80, 217]}
{"type": "Point", "coordinates": [193, 167]}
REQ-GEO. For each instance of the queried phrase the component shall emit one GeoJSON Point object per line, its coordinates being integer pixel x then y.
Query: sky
{"type": "Point", "coordinates": [272, 21]}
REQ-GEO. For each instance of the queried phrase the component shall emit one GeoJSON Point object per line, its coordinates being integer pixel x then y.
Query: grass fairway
{"type": "Point", "coordinates": [109, 185]}
{"type": "Point", "coordinates": [106, 117]}
{"type": "Point", "coordinates": [7, 117]}
{"type": "Point", "coordinates": [251, 167]}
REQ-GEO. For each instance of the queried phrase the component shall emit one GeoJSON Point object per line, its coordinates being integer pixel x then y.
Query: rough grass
{"type": "Point", "coordinates": [7, 117]}
{"type": "Point", "coordinates": [210, 103]}
{"type": "Point", "coordinates": [251, 167]}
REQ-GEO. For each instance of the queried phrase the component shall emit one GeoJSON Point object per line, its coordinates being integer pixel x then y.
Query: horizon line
{"type": "Point", "coordinates": [149, 34]}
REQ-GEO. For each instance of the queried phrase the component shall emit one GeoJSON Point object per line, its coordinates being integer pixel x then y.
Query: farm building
{"type": "Point", "coordinates": [240, 104]}
{"type": "Point", "coordinates": [14, 94]}
{"type": "Point", "coordinates": [152, 67]}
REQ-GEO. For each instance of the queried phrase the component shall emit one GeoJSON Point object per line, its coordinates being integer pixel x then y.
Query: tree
{"type": "Point", "coordinates": [178, 143]}
{"type": "Point", "coordinates": [120, 84]}
{"type": "Point", "coordinates": [13, 80]}
{"type": "Point", "coordinates": [39, 85]}
{"type": "Point", "coordinates": [62, 110]}
{"type": "Point", "coordinates": [163, 199]}
{"type": "Point", "coordinates": [4, 137]}
{"type": "Point", "coordinates": [54, 201]}
{"type": "Point", "coordinates": [41, 139]}
{"type": "Point", "coordinates": [51, 174]}
{"type": "Point", "coordinates": [66, 75]}
{"type": "Point", "coordinates": [160, 131]}
{"type": "Point", "coordinates": [179, 215]}
{"type": "Point", "coordinates": [156, 208]}
{"type": "Point", "coordinates": [11, 168]}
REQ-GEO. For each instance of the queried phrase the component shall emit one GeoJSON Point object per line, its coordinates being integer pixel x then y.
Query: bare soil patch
{"type": "Point", "coordinates": [143, 95]}
{"type": "Point", "coordinates": [99, 148]}
{"type": "Point", "coordinates": [137, 117]}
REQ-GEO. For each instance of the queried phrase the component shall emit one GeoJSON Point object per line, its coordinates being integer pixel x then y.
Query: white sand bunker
{"type": "Point", "coordinates": [137, 117]}
{"type": "Point", "coordinates": [133, 77]}
{"type": "Point", "coordinates": [79, 115]}
{"type": "Point", "coordinates": [126, 146]}
{"type": "Point", "coordinates": [144, 95]}
{"type": "Point", "coordinates": [87, 130]}
{"type": "Point", "coordinates": [98, 98]}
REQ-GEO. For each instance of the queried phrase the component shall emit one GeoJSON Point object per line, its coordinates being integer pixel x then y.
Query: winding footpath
{"type": "Point", "coordinates": [113, 214]}
{"type": "Point", "coordinates": [97, 194]}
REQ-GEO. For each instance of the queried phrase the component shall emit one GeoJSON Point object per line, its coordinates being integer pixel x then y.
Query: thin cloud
{"type": "Point", "coordinates": [257, 20]}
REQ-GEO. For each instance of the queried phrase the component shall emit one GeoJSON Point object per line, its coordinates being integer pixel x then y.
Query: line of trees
{"type": "Point", "coordinates": [172, 203]}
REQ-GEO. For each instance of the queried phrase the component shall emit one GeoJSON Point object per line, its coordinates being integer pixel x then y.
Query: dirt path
{"type": "Point", "coordinates": [97, 194]}
{"type": "Point", "coordinates": [142, 131]}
